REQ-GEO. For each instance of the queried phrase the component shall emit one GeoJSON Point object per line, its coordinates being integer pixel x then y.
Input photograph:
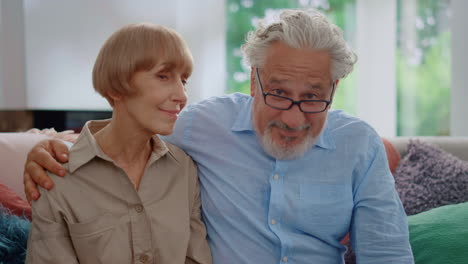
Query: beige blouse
{"type": "Point", "coordinates": [95, 215]}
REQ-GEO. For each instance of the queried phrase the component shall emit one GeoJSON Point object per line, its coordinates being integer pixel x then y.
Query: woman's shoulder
{"type": "Point", "coordinates": [177, 153]}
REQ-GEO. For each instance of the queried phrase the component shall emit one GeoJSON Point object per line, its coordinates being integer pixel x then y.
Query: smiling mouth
{"type": "Point", "coordinates": [289, 133]}
{"type": "Point", "coordinates": [174, 114]}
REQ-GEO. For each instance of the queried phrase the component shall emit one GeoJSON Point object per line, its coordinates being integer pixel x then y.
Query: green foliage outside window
{"type": "Point", "coordinates": [423, 68]}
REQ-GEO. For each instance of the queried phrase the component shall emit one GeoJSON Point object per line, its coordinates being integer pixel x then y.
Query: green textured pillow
{"type": "Point", "coordinates": [440, 235]}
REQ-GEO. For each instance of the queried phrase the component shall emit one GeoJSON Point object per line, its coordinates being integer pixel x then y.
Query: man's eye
{"type": "Point", "coordinates": [277, 92]}
{"type": "Point", "coordinates": [310, 96]}
{"type": "Point", "coordinates": [184, 82]}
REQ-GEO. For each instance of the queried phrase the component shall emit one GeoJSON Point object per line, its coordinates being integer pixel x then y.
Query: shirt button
{"type": "Point", "coordinates": [285, 259]}
{"type": "Point", "coordinates": [139, 208]}
{"type": "Point", "coordinates": [144, 258]}
{"type": "Point", "coordinates": [273, 221]}
{"type": "Point", "coordinates": [276, 177]}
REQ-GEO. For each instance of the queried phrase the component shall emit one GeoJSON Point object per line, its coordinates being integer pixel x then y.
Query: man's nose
{"type": "Point", "coordinates": [293, 117]}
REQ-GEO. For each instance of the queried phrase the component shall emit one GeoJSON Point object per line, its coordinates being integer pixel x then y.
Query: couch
{"type": "Point", "coordinates": [14, 147]}
{"type": "Point", "coordinates": [431, 177]}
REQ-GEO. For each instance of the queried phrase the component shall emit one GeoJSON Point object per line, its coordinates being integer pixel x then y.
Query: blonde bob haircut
{"type": "Point", "coordinates": [134, 48]}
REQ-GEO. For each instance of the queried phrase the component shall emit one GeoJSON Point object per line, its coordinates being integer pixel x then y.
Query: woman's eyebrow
{"type": "Point", "coordinates": [167, 66]}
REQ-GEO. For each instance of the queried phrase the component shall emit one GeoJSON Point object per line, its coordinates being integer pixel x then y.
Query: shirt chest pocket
{"type": "Point", "coordinates": [99, 240]}
{"type": "Point", "coordinates": [324, 204]}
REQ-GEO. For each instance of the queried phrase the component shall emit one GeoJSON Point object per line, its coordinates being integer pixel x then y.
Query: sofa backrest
{"type": "Point", "coordinates": [458, 146]}
{"type": "Point", "coordinates": [14, 148]}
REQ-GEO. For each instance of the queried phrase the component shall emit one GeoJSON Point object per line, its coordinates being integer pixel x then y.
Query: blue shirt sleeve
{"type": "Point", "coordinates": [379, 228]}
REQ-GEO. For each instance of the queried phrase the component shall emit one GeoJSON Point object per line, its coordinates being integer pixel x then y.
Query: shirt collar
{"type": "Point", "coordinates": [86, 147]}
{"type": "Point", "coordinates": [325, 140]}
{"type": "Point", "coordinates": [244, 122]}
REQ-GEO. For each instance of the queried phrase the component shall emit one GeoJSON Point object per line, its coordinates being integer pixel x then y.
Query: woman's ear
{"type": "Point", "coordinates": [115, 96]}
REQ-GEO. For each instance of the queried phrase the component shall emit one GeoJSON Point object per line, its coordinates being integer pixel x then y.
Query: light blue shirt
{"type": "Point", "coordinates": [261, 210]}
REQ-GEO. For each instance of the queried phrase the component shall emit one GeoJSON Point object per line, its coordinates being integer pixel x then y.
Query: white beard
{"type": "Point", "coordinates": [285, 152]}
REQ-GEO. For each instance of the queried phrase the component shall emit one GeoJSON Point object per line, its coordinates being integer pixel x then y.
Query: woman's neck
{"type": "Point", "coordinates": [128, 146]}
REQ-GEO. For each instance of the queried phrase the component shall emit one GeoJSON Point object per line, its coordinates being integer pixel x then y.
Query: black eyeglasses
{"type": "Point", "coordinates": [285, 103]}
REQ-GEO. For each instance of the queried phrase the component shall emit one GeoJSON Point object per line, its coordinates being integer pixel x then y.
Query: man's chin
{"type": "Point", "coordinates": [288, 142]}
{"type": "Point", "coordinates": [287, 148]}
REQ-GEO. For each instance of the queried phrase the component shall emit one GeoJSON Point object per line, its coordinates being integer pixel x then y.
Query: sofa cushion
{"type": "Point", "coordinates": [13, 237]}
{"type": "Point", "coordinates": [428, 177]}
{"type": "Point", "coordinates": [440, 235]}
{"type": "Point", "coordinates": [393, 155]}
{"type": "Point", "coordinates": [13, 203]}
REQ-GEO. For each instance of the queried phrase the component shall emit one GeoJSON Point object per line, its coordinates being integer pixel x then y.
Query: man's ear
{"type": "Point", "coordinates": [336, 87]}
{"type": "Point", "coordinates": [253, 83]}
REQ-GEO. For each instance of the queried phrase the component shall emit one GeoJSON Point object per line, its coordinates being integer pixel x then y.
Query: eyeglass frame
{"type": "Point", "coordinates": [294, 102]}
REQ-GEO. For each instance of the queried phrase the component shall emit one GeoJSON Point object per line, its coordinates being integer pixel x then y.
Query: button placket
{"type": "Point", "coordinates": [144, 258]}
{"type": "Point", "coordinates": [139, 208]}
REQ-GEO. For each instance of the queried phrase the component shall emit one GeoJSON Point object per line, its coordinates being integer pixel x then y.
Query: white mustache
{"type": "Point", "coordinates": [286, 127]}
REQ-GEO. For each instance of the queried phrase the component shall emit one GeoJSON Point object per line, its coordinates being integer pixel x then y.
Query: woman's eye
{"type": "Point", "coordinates": [163, 76]}
{"type": "Point", "coordinates": [310, 96]}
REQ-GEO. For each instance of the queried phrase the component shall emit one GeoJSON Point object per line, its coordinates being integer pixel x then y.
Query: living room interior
{"type": "Point", "coordinates": [409, 84]}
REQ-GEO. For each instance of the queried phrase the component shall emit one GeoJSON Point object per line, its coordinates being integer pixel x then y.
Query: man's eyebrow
{"type": "Point", "coordinates": [277, 81]}
{"type": "Point", "coordinates": [315, 85]}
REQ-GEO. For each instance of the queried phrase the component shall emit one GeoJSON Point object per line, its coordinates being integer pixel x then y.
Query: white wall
{"type": "Point", "coordinates": [203, 25]}
{"type": "Point", "coordinates": [63, 38]}
{"type": "Point", "coordinates": [12, 59]}
{"type": "Point", "coordinates": [54, 47]}
{"type": "Point", "coordinates": [376, 46]}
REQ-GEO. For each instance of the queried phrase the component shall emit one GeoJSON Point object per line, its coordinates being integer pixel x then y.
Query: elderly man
{"type": "Point", "coordinates": [283, 178]}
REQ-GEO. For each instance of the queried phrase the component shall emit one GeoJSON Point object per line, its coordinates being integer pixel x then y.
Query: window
{"type": "Point", "coordinates": [417, 86]}
{"type": "Point", "coordinates": [423, 67]}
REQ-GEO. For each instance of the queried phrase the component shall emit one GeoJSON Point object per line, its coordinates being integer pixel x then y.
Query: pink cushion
{"type": "Point", "coordinates": [14, 148]}
{"type": "Point", "coordinates": [14, 203]}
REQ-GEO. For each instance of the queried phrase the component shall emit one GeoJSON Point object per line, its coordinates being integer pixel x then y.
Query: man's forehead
{"type": "Point", "coordinates": [284, 62]}
{"type": "Point", "coordinates": [280, 50]}
{"type": "Point", "coordinates": [284, 76]}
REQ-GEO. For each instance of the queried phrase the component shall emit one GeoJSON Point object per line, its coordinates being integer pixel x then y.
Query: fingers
{"type": "Point", "coordinates": [38, 175]}
{"type": "Point", "coordinates": [59, 150]}
{"type": "Point", "coordinates": [42, 158]}
{"type": "Point", "coordinates": [30, 188]}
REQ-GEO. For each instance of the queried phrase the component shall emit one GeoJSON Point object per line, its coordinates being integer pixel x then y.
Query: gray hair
{"type": "Point", "coordinates": [301, 29]}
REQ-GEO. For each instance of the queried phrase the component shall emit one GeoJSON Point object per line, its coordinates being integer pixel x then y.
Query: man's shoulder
{"type": "Point", "coordinates": [220, 103]}
{"type": "Point", "coordinates": [351, 131]}
{"type": "Point", "coordinates": [339, 122]}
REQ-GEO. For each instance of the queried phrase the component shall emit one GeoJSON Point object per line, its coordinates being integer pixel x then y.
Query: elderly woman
{"type": "Point", "coordinates": [129, 197]}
